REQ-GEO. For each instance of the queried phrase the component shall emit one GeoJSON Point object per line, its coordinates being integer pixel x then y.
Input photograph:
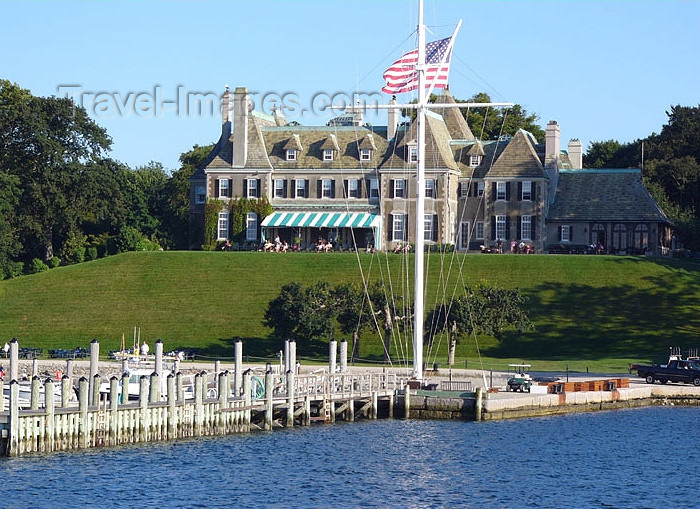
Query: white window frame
{"type": "Point", "coordinates": [479, 230]}
{"type": "Point", "coordinates": [566, 233]}
{"type": "Point", "coordinates": [200, 194]}
{"type": "Point", "coordinates": [525, 227]}
{"type": "Point", "coordinates": [326, 188]}
{"type": "Point", "coordinates": [430, 188]}
{"type": "Point", "coordinates": [252, 191]}
{"type": "Point", "coordinates": [327, 154]}
{"type": "Point", "coordinates": [474, 160]}
{"type": "Point", "coordinates": [251, 226]}
{"type": "Point", "coordinates": [412, 154]}
{"type": "Point", "coordinates": [353, 188]}
{"type": "Point", "coordinates": [300, 188]}
{"type": "Point", "coordinates": [500, 227]}
{"type": "Point", "coordinates": [398, 226]}
{"type": "Point", "coordinates": [365, 154]}
{"type": "Point", "coordinates": [399, 188]}
{"type": "Point", "coordinates": [224, 188]}
{"type": "Point", "coordinates": [501, 192]}
{"type": "Point", "coordinates": [374, 189]}
{"type": "Point", "coordinates": [291, 154]}
{"type": "Point", "coordinates": [222, 226]}
{"type": "Point", "coordinates": [480, 186]}
{"type": "Point", "coordinates": [279, 188]}
{"type": "Point", "coordinates": [464, 234]}
{"type": "Point", "coordinates": [526, 194]}
{"type": "Point", "coordinates": [428, 227]}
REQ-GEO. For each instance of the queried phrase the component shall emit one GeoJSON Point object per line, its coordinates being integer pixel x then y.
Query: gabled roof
{"type": "Point", "coordinates": [330, 143]}
{"type": "Point", "coordinates": [293, 143]}
{"type": "Point", "coordinates": [603, 195]}
{"type": "Point", "coordinates": [454, 120]}
{"type": "Point", "coordinates": [519, 159]}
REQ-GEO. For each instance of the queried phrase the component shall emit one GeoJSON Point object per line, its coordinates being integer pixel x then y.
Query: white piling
{"type": "Point", "coordinates": [343, 355]}
{"type": "Point", "coordinates": [332, 356]}
{"type": "Point", "coordinates": [94, 364]}
{"type": "Point", "coordinates": [159, 358]}
{"type": "Point", "coordinates": [238, 367]}
{"type": "Point", "coordinates": [14, 359]}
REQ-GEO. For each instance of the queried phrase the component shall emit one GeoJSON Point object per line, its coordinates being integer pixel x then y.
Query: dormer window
{"type": "Point", "coordinates": [327, 154]}
{"type": "Point", "coordinates": [365, 154]}
{"type": "Point", "coordinates": [474, 160]}
{"type": "Point", "coordinates": [413, 154]}
{"type": "Point", "coordinates": [291, 154]}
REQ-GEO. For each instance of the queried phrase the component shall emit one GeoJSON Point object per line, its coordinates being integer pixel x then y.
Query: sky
{"type": "Point", "coordinates": [602, 69]}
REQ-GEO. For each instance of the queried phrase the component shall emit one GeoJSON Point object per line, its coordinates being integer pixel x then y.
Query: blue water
{"type": "Point", "coordinates": [628, 458]}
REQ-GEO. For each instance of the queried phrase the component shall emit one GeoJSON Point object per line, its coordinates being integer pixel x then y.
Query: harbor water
{"type": "Point", "coordinates": [627, 458]}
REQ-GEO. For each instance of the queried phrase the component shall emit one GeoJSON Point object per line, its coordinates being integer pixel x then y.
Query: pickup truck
{"type": "Point", "coordinates": [677, 370]}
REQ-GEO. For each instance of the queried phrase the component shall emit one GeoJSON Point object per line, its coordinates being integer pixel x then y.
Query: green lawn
{"type": "Point", "coordinates": [596, 312]}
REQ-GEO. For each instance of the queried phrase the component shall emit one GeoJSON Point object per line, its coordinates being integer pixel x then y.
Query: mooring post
{"type": "Point", "coordinates": [332, 356]}
{"type": "Point", "coordinates": [83, 395]}
{"type": "Point", "coordinates": [49, 405]}
{"type": "Point", "coordinates": [293, 355]}
{"type": "Point", "coordinates": [287, 365]}
{"type": "Point", "coordinates": [143, 408]}
{"type": "Point", "coordinates": [268, 400]}
{"type": "Point", "coordinates": [238, 367]}
{"type": "Point", "coordinates": [2, 391]}
{"type": "Point", "coordinates": [478, 405]}
{"type": "Point", "coordinates": [113, 408]}
{"type": "Point", "coordinates": [94, 362]}
{"type": "Point", "coordinates": [14, 418]}
{"type": "Point", "coordinates": [307, 410]}
{"type": "Point", "coordinates": [95, 392]}
{"type": "Point", "coordinates": [14, 359]}
{"type": "Point", "coordinates": [223, 390]}
{"type": "Point", "coordinates": [407, 401]}
{"type": "Point", "coordinates": [198, 405]}
{"type": "Point", "coordinates": [172, 397]}
{"type": "Point", "coordinates": [247, 400]}
{"type": "Point", "coordinates": [343, 355]}
{"type": "Point", "coordinates": [35, 367]}
{"type": "Point", "coordinates": [66, 389]}
{"type": "Point", "coordinates": [69, 371]}
{"type": "Point", "coordinates": [217, 369]}
{"type": "Point", "coordinates": [179, 387]}
{"type": "Point", "coordinates": [290, 398]}
{"type": "Point", "coordinates": [375, 403]}
{"type": "Point", "coordinates": [34, 401]}
{"type": "Point", "coordinates": [125, 386]}
{"type": "Point", "coordinates": [154, 392]}
{"type": "Point", "coordinates": [125, 366]}
{"type": "Point", "coordinates": [159, 358]}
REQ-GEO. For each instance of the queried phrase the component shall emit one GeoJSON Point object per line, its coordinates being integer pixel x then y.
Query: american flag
{"type": "Point", "coordinates": [402, 75]}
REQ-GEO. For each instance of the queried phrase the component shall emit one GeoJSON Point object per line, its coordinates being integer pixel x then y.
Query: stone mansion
{"type": "Point", "coordinates": [353, 184]}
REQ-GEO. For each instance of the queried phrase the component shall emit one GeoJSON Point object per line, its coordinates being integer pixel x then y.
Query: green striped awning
{"type": "Point", "coordinates": [321, 220]}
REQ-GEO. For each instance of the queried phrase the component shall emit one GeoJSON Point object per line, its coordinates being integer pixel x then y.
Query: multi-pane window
{"type": "Point", "coordinates": [565, 233]}
{"type": "Point", "coordinates": [224, 188]}
{"type": "Point", "coordinates": [327, 188]}
{"type": "Point", "coordinates": [291, 154]}
{"type": "Point", "coordinates": [474, 160]}
{"type": "Point", "coordinates": [200, 194]}
{"type": "Point", "coordinates": [279, 188]}
{"type": "Point", "coordinates": [398, 226]}
{"type": "Point", "coordinates": [253, 188]}
{"type": "Point", "coordinates": [353, 188]}
{"type": "Point", "coordinates": [399, 188]}
{"type": "Point", "coordinates": [327, 154]}
{"type": "Point", "coordinates": [480, 188]}
{"type": "Point", "coordinates": [413, 154]}
{"type": "Point", "coordinates": [222, 227]}
{"type": "Point", "coordinates": [526, 227]}
{"type": "Point", "coordinates": [251, 226]}
{"type": "Point", "coordinates": [641, 236]}
{"type": "Point", "coordinates": [428, 223]}
{"type": "Point", "coordinates": [300, 187]}
{"type": "Point", "coordinates": [464, 234]}
{"type": "Point", "coordinates": [479, 230]}
{"type": "Point", "coordinates": [374, 188]}
{"type": "Point", "coordinates": [430, 188]}
{"type": "Point", "coordinates": [365, 154]}
{"type": "Point", "coordinates": [500, 227]}
{"type": "Point", "coordinates": [527, 191]}
{"type": "Point", "coordinates": [500, 190]}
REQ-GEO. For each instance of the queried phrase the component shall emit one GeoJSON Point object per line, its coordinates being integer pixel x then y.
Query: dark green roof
{"type": "Point", "coordinates": [603, 195]}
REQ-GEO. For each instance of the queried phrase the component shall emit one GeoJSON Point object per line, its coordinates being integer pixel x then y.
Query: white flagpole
{"type": "Point", "coordinates": [419, 241]}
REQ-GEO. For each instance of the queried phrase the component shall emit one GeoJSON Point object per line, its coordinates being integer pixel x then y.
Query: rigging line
{"type": "Point", "coordinates": [486, 83]}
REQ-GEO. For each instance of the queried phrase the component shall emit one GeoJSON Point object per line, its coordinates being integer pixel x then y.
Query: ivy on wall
{"type": "Point", "coordinates": [211, 223]}
{"type": "Point", "coordinates": [239, 208]}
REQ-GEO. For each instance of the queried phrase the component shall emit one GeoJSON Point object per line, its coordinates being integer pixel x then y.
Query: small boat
{"type": "Point", "coordinates": [25, 395]}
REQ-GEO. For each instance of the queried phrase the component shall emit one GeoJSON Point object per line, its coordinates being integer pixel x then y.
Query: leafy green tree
{"type": "Point", "coordinates": [353, 317]}
{"type": "Point", "coordinates": [613, 154]}
{"type": "Point", "coordinates": [9, 239]}
{"type": "Point", "coordinates": [302, 314]}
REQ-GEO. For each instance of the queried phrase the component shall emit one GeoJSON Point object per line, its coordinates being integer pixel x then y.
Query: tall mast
{"type": "Point", "coordinates": [418, 304]}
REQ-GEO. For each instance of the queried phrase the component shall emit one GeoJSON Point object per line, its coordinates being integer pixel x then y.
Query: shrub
{"type": "Point", "coordinates": [54, 262]}
{"type": "Point", "coordinates": [36, 266]}
{"type": "Point", "coordinates": [91, 253]}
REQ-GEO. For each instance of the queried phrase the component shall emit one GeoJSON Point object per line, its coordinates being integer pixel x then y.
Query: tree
{"type": "Point", "coordinates": [9, 239]}
{"type": "Point", "coordinates": [352, 316]}
{"type": "Point", "coordinates": [47, 143]}
{"type": "Point", "coordinates": [613, 154]}
{"type": "Point", "coordinates": [302, 314]}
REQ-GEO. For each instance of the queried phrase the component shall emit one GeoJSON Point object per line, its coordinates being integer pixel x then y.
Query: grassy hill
{"type": "Point", "coordinates": [599, 312]}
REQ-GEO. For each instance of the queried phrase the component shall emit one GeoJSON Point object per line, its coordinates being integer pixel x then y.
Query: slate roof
{"type": "Point", "coordinates": [454, 120]}
{"type": "Point", "coordinates": [519, 159]}
{"type": "Point", "coordinates": [603, 195]}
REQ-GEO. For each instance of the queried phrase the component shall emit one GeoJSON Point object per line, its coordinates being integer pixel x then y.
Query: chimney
{"type": "Point", "coordinates": [240, 126]}
{"type": "Point", "coordinates": [393, 120]}
{"type": "Point", "coordinates": [226, 110]}
{"type": "Point", "coordinates": [576, 153]}
{"type": "Point", "coordinates": [552, 143]}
